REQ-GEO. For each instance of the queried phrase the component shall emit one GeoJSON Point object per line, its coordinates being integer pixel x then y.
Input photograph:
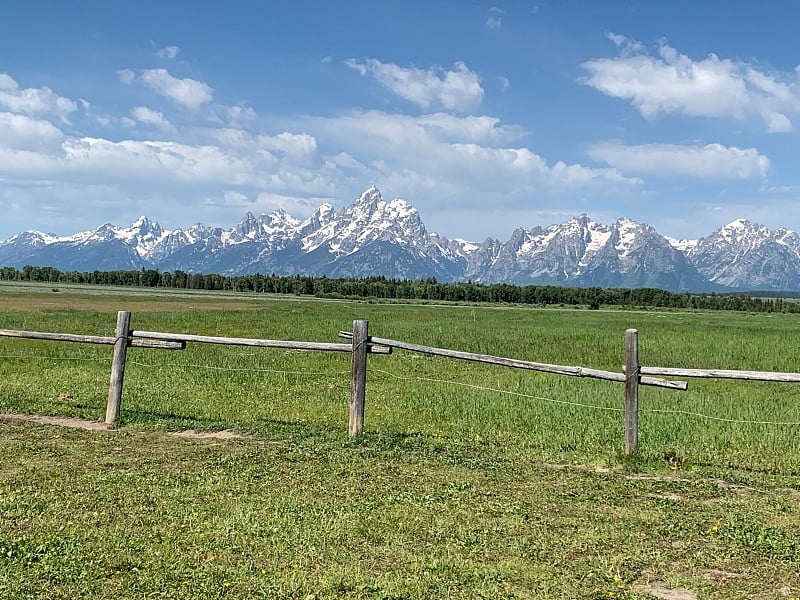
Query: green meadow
{"type": "Point", "coordinates": [470, 481]}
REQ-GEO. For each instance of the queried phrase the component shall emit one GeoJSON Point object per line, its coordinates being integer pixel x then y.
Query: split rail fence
{"type": "Point", "coordinates": [361, 344]}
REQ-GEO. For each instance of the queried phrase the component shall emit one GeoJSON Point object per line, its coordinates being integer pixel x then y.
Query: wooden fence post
{"type": "Point", "coordinates": [631, 391]}
{"type": "Point", "coordinates": [118, 366]}
{"type": "Point", "coordinates": [358, 377]}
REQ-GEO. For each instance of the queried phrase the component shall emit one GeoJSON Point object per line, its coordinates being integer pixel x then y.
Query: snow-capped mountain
{"type": "Point", "coordinates": [745, 255]}
{"type": "Point", "coordinates": [585, 253]}
{"type": "Point", "coordinates": [373, 236]}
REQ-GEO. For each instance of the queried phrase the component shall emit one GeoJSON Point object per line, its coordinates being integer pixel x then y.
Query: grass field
{"type": "Point", "coordinates": [470, 481]}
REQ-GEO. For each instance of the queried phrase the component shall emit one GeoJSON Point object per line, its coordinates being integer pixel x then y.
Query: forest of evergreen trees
{"type": "Point", "coordinates": [426, 289]}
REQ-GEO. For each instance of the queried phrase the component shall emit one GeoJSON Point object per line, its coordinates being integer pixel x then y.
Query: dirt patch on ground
{"type": "Point", "coordinates": [75, 423]}
{"type": "Point", "coordinates": [68, 302]}
{"type": "Point", "coordinates": [721, 575]}
{"type": "Point", "coordinates": [659, 589]}
{"type": "Point", "coordinates": [667, 496]}
{"type": "Point", "coordinates": [58, 421]}
{"type": "Point", "coordinates": [225, 434]}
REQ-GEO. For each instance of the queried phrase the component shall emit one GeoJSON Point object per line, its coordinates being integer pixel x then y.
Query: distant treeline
{"type": "Point", "coordinates": [424, 289]}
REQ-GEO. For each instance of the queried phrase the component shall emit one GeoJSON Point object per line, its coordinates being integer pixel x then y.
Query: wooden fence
{"type": "Point", "coordinates": [361, 344]}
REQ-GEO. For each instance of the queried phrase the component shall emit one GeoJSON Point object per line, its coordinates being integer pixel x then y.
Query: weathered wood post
{"type": "Point", "coordinates": [118, 366]}
{"type": "Point", "coordinates": [358, 377]}
{"type": "Point", "coordinates": [631, 391]}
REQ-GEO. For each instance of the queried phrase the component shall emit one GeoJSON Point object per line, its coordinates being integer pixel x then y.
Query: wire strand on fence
{"type": "Point", "coordinates": [713, 418]}
{"type": "Point", "coordinates": [593, 406]}
{"type": "Point", "coordinates": [430, 380]}
{"type": "Point", "coordinates": [505, 392]}
{"type": "Point", "coordinates": [244, 369]}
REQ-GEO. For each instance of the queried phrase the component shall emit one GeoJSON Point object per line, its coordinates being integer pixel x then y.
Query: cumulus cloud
{"type": "Point", "coordinates": [711, 161]}
{"type": "Point", "coordinates": [477, 129]}
{"type": "Point", "coordinates": [150, 117]}
{"type": "Point", "coordinates": [298, 149]}
{"type": "Point", "coordinates": [459, 89]}
{"type": "Point", "coordinates": [189, 93]}
{"type": "Point", "coordinates": [169, 52]}
{"type": "Point", "coordinates": [34, 101]}
{"type": "Point", "coordinates": [670, 82]}
{"type": "Point", "coordinates": [449, 156]}
{"type": "Point", "coordinates": [20, 132]}
{"type": "Point", "coordinates": [236, 114]}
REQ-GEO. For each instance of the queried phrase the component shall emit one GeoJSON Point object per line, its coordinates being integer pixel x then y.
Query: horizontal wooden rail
{"type": "Point", "coordinates": [291, 345]}
{"type": "Point", "coordinates": [522, 364]}
{"type": "Point", "coordinates": [722, 374]}
{"type": "Point", "coordinates": [91, 339]}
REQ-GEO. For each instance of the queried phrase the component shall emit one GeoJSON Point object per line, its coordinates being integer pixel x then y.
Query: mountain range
{"type": "Point", "coordinates": [375, 237]}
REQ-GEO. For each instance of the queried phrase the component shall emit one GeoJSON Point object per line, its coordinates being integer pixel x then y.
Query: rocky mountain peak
{"type": "Point", "coordinates": [373, 236]}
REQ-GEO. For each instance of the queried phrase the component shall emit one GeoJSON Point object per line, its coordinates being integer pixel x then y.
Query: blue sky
{"type": "Point", "coordinates": [484, 116]}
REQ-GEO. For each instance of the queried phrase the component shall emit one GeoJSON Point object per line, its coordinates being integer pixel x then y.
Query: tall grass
{"type": "Point", "coordinates": [445, 403]}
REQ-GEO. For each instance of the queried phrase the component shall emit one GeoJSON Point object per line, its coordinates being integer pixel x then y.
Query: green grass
{"type": "Point", "coordinates": [138, 514]}
{"type": "Point", "coordinates": [517, 413]}
{"type": "Point", "coordinates": [470, 481]}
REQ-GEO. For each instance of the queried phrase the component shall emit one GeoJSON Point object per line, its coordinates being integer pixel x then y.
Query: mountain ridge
{"type": "Point", "coordinates": [373, 236]}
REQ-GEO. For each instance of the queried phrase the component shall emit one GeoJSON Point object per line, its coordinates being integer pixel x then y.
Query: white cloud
{"type": "Point", "coordinates": [505, 83]}
{"type": "Point", "coordinates": [234, 198]}
{"type": "Point", "coordinates": [34, 101]}
{"type": "Point", "coordinates": [326, 60]}
{"type": "Point", "coordinates": [478, 129]}
{"type": "Point", "coordinates": [189, 93]}
{"type": "Point", "coordinates": [126, 76]}
{"type": "Point", "coordinates": [712, 161]}
{"type": "Point", "coordinates": [150, 117]}
{"type": "Point", "coordinates": [446, 157]}
{"type": "Point", "coordinates": [776, 122]}
{"type": "Point", "coordinates": [495, 20]}
{"type": "Point", "coordinates": [616, 38]}
{"type": "Point", "coordinates": [236, 114]}
{"type": "Point", "coordinates": [169, 52]}
{"type": "Point", "coordinates": [270, 201]}
{"type": "Point", "coordinates": [298, 149]}
{"type": "Point", "coordinates": [459, 89]}
{"type": "Point", "coordinates": [627, 45]}
{"type": "Point", "coordinates": [20, 132]}
{"type": "Point", "coordinates": [670, 82]}
{"type": "Point", "coordinates": [345, 161]}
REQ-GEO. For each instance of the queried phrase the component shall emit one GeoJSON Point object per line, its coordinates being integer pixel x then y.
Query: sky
{"type": "Point", "coordinates": [485, 116]}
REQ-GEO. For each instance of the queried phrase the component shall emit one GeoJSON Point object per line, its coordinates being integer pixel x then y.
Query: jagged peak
{"type": "Point", "coordinates": [741, 227]}
{"type": "Point", "coordinates": [627, 221]}
{"type": "Point", "coordinates": [368, 198]}
{"type": "Point", "coordinates": [740, 224]}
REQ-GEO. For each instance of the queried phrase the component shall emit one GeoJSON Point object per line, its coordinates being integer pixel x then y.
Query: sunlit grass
{"type": "Point", "coordinates": [516, 413]}
{"type": "Point", "coordinates": [470, 481]}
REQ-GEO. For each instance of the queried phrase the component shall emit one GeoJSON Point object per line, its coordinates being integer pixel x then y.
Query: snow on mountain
{"type": "Point", "coordinates": [368, 219]}
{"type": "Point", "coordinates": [373, 236]}
{"type": "Point", "coordinates": [681, 245]}
{"type": "Point", "coordinates": [745, 255]}
{"type": "Point", "coordinates": [32, 239]}
{"type": "Point", "coordinates": [273, 229]}
{"type": "Point", "coordinates": [584, 252]}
